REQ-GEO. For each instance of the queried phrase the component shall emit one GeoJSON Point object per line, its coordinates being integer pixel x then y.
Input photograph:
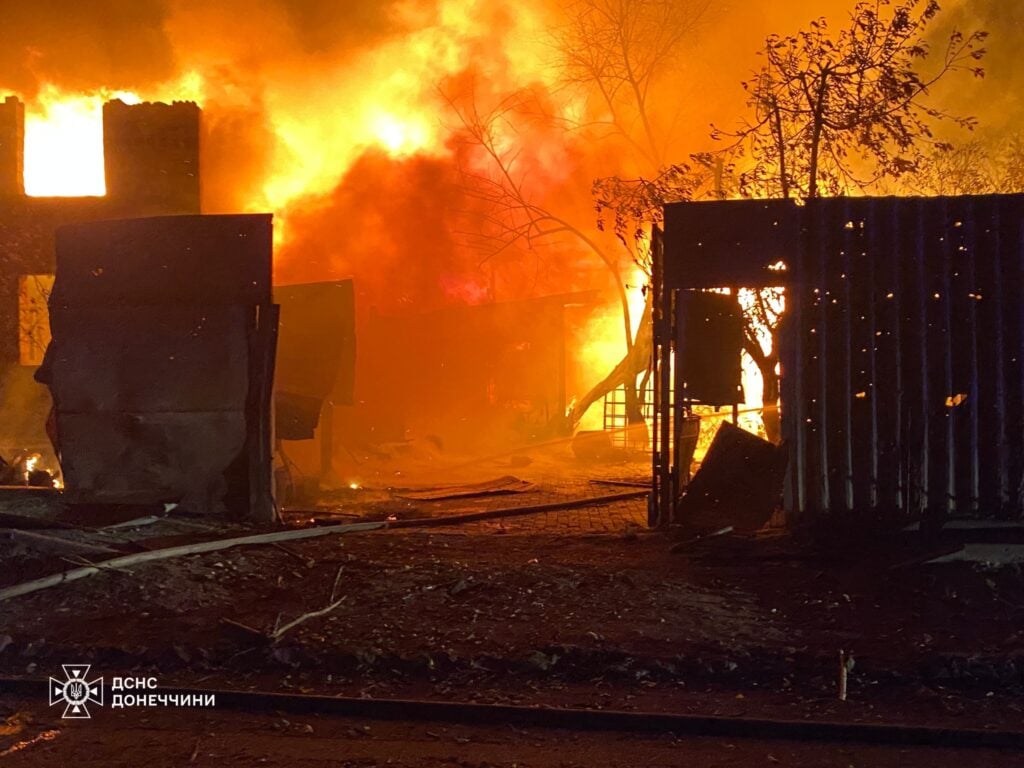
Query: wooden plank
{"type": "Point", "coordinates": [962, 338]}
{"type": "Point", "coordinates": [56, 543]}
{"type": "Point", "coordinates": [859, 327]}
{"type": "Point", "coordinates": [914, 360]}
{"type": "Point", "coordinates": [990, 338]}
{"type": "Point", "coordinates": [835, 356]}
{"type": "Point", "coordinates": [815, 370]}
{"type": "Point", "coordinates": [791, 385]}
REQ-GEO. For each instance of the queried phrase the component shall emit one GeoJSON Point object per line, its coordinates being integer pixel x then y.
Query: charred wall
{"type": "Point", "coordinates": [151, 156]}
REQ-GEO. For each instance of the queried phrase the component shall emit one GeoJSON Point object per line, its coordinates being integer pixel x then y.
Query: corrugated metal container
{"type": "Point", "coordinates": [902, 345]}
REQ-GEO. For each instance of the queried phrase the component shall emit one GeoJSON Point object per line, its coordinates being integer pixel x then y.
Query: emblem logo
{"type": "Point", "coordinates": [76, 691]}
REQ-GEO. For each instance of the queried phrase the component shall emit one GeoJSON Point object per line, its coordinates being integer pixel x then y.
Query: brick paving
{"type": "Point", "coordinates": [623, 517]}
{"type": "Point", "coordinates": [557, 477]}
{"type": "Point", "coordinates": [556, 480]}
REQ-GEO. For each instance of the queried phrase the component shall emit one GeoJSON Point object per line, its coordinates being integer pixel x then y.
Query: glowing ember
{"type": "Point", "coordinates": [30, 465]}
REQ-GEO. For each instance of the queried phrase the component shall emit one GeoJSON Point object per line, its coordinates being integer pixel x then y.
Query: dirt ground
{"type": "Point", "coordinates": [581, 607]}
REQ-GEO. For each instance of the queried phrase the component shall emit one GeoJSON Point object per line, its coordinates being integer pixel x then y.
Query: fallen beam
{"type": "Point", "coordinates": [188, 549]}
{"type": "Point", "coordinates": [626, 483]}
{"type": "Point", "coordinates": [26, 522]}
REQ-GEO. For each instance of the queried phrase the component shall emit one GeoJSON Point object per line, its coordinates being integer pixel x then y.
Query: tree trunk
{"type": "Point", "coordinates": [770, 401]}
{"type": "Point", "coordinates": [769, 383]}
{"type": "Point", "coordinates": [635, 362]}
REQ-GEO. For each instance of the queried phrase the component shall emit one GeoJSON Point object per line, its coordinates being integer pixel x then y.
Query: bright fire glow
{"type": "Point", "coordinates": [64, 145]}
{"type": "Point", "coordinates": [30, 465]}
{"type": "Point", "coordinates": [384, 98]}
{"type": "Point", "coordinates": [400, 137]}
{"type": "Point", "coordinates": [605, 343]}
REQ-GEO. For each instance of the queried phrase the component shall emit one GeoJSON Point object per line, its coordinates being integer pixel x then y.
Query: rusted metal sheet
{"type": "Point", "coordinates": [316, 354]}
{"type": "Point", "coordinates": [902, 348]}
{"type": "Point", "coordinates": [161, 361]}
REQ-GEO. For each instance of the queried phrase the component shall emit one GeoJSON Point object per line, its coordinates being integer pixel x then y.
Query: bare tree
{"type": "Point", "coordinates": [631, 206]}
{"type": "Point", "coordinates": [830, 114]}
{"type": "Point", "coordinates": [512, 217]}
{"type": "Point", "coordinates": [835, 113]}
{"type": "Point", "coordinates": [963, 169]}
{"type": "Point", "coordinates": [1010, 165]}
{"type": "Point", "coordinates": [979, 167]}
{"type": "Point", "coordinates": [618, 50]}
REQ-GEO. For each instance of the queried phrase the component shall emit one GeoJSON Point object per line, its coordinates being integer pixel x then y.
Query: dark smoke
{"type": "Point", "coordinates": [87, 45]}
{"type": "Point", "coordinates": [130, 44]}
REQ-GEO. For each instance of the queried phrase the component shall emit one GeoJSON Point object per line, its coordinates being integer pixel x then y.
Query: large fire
{"type": "Point", "coordinates": [64, 157]}
{"type": "Point", "coordinates": [343, 121]}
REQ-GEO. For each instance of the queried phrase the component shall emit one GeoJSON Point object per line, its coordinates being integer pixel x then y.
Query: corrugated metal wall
{"type": "Point", "coordinates": [902, 346]}
{"type": "Point", "coordinates": [903, 383]}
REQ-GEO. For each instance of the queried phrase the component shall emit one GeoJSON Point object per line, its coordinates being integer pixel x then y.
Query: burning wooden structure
{"type": "Point", "coordinates": [902, 348]}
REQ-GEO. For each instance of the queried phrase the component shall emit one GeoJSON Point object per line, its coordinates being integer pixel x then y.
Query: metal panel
{"type": "Point", "coordinates": [161, 362]}
{"type": "Point", "coordinates": [147, 457]}
{"type": "Point", "coordinates": [127, 359]}
{"type": "Point", "coordinates": [316, 355]}
{"type": "Point", "coordinates": [716, 244]}
{"type": "Point", "coordinates": [710, 345]}
{"type": "Point", "coordinates": [902, 348]}
{"type": "Point", "coordinates": [195, 260]}
{"type": "Point", "coordinates": [316, 349]}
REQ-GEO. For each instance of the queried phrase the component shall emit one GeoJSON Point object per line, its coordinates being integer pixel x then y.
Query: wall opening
{"type": "Point", "coordinates": [64, 147]}
{"type": "Point", "coordinates": [33, 318]}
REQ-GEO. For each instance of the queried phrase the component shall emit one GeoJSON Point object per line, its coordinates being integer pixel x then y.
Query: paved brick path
{"type": "Point", "coordinates": [618, 518]}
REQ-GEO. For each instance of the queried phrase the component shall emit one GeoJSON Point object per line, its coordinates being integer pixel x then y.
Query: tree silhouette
{"type": "Point", "coordinates": [618, 50]}
{"type": "Point", "coordinates": [833, 114]}
{"type": "Point", "coordinates": [614, 52]}
{"type": "Point", "coordinates": [830, 114]}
